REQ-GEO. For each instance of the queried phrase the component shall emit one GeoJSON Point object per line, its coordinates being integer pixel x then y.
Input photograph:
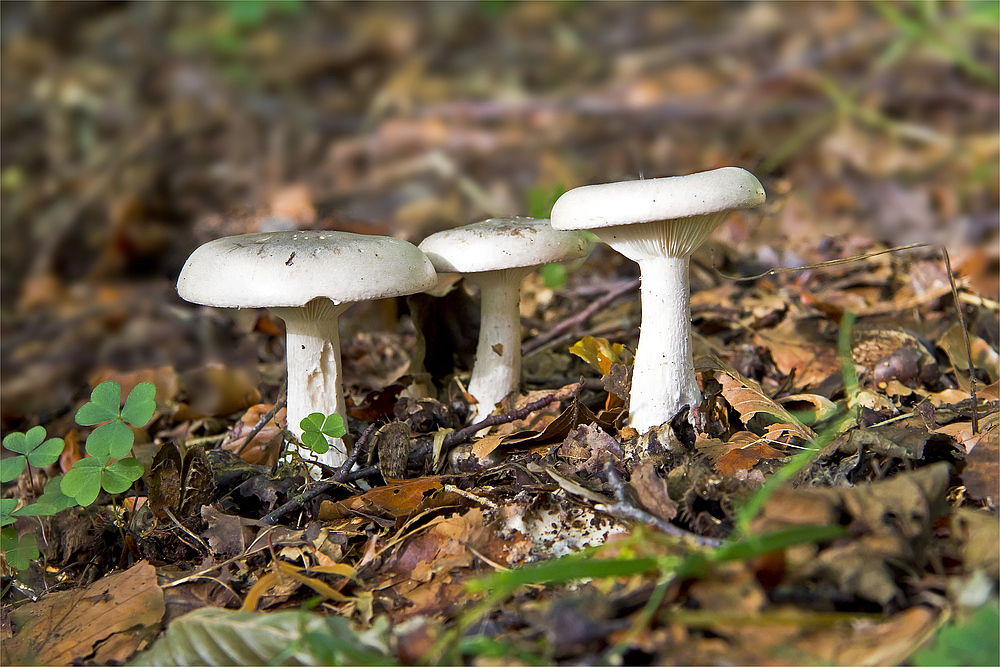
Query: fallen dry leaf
{"type": "Point", "coordinates": [266, 445]}
{"type": "Point", "coordinates": [398, 498]}
{"type": "Point", "coordinates": [66, 627]}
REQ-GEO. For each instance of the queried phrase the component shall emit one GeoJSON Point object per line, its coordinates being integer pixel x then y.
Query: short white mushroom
{"type": "Point", "coordinates": [658, 223]}
{"type": "Point", "coordinates": [307, 279]}
{"type": "Point", "coordinates": [495, 255]}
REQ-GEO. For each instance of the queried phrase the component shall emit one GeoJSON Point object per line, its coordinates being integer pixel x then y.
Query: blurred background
{"type": "Point", "coordinates": [133, 132]}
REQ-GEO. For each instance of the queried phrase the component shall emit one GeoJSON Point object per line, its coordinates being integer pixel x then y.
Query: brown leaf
{"type": "Point", "coordinates": [982, 469]}
{"type": "Point", "coordinates": [397, 499]}
{"type": "Point", "coordinates": [745, 458]}
{"type": "Point", "coordinates": [590, 447]}
{"type": "Point", "coordinates": [225, 532]}
{"type": "Point", "coordinates": [180, 484]}
{"type": "Point", "coordinates": [65, 627]}
{"type": "Point", "coordinates": [266, 445]}
{"type": "Point", "coordinates": [652, 490]}
{"type": "Point", "coordinates": [748, 399]}
{"type": "Point", "coordinates": [977, 535]}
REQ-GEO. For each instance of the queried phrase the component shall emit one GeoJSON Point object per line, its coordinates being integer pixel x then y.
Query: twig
{"type": "Point", "coordinates": [965, 334]}
{"type": "Point", "coordinates": [623, 509]}
{"type": "Point", "coordinates": [280, 403]}
{"type": "Point", "coordinates": [456, 437]}
{"type": "Point", "coordinates": [471, 496]}
{"type": "Point", "coordinates": [832, 262]}
{"type": "Point", "coordinates": [505, 418]}
{"type": "Point", "coordinates": [185, 529]}
{"type": "Point", "coordinates": [271, 518]}
{"type": "Point", "coordinates": [577, 320]}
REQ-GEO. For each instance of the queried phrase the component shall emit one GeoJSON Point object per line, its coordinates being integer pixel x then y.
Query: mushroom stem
{"type": "Point", "coordinates": [312, 352]}
{"type": "Point", "coordinates": [663, 379]}
{"type": "Point", "coordinates": [497, 370]}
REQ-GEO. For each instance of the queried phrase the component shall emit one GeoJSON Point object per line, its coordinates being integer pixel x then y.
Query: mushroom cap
{"type": "Point", "coordinates": [656, 199]}
{"type": "Point", "coordinates": [501, 243]}
{"type": "Point", "coordinates": [288, 269]}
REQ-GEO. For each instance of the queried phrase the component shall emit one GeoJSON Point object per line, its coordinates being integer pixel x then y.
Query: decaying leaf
{"type": "Point", "coordinates": [982, 469]}
{"type": "Point", "coordinates": [266, 445]}
{"type": "Point", "coordinates": [180, 484]}
{"type": "Point", "coordinates": [745, 457]}
{"type": "Point", "coordinates": [67, 626]}
{"type": "Point", "coordinates": [652, 490]}
{"type": "Point", "coordinates": [891, 519]}
{"type": "Point", "coordinates": [590, 447]}
{"type": "Point", "coordinates": [749, 400]}
{"type": "Point", "coordinates": [398, 498]}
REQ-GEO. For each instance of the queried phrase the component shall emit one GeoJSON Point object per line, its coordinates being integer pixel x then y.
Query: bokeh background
{"type": "Point", "coordinates": [133, 132]}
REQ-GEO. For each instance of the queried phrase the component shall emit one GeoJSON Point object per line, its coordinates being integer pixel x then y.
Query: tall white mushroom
{"type": "Point", "coordinates": [658, 223]}
{"type": "Point", "coordinates": [495, 255]}
{"type": "Point", "coordinates": [307, 279]}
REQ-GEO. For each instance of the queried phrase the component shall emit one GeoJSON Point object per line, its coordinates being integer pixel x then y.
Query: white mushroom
{"type": "Point", "coordinates": [495, 255]}
{"type": "Point", "coordinates": [307, 279]}
{"type": "Point", "coordinates": [658, 223]}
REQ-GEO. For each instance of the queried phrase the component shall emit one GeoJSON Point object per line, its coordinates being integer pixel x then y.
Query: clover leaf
{"type": "Point", "coordinates": [18, 551]}
{"type": "Point", "coordinates": [103, 406]}
{"type": "Point", "coordinates": [88, 476]}
{"type": "Point", "coordinates": [118, 476]}
{"type": "Point", "coordinates": [114, 438]}
{"type": "Point", "coordinates": [7, 506]}
{"type": "Point", "coordinates": [111, 440]}
{"type": "Point", "coordinates": [140, 404]}
{"type": "Point", "coordinates": [52, 501]}
{"type": "Point", "coordinates": [83, 481]}
{"type": "Point", "coordinates": [32, 448]}
{"type": "Point", "coordinates": [317, 427]}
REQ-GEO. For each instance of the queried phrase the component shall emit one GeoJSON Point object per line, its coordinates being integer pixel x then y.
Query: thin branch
{"type": "Point", "coordinates": [457, 437]}
{"type": "Point", "coordinates": [271, 518]}
{"type": "Point", "coordinates": [832, 262]}
{"type": "Point", "coordinates": [965, 334]}
{"type": "Point", "coordinates": [280, 403]}
{"type": "Point", "coordinates": [580, 318]}
{"type": "Point", "coordinates": [623, 509]}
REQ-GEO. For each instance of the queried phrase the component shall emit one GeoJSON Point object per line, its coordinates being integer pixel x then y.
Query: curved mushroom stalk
{"type": "Point", "coordinates": [497, 370]}
{"type": "Point", "coordinates": [312, 344]}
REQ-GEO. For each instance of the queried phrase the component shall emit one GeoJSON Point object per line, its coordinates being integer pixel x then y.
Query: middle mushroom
{"type": "Point", "coordinates": [495, 255]}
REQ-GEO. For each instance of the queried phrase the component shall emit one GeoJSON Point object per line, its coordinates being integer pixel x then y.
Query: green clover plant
{"type": "Point", "coordinates": [317, 427]}
{"type": "Point", "coordinates": [31, 448]}
{"type": "Point", "coordinates": [7, 506]}
{"type": "Point", "coordinates": [18, 550]}
{"type": "Point", "coordinates": [113, 439]}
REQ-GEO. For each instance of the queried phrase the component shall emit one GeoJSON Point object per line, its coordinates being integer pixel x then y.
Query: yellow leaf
{"type": "Point", "coordinates": [598, 352]}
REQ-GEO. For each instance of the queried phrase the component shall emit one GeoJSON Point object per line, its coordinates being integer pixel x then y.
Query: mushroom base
{"type": "Point", "coordinates": [663, 379]}
{"type": "Point", "coordinates": [497, 370]}
{"type": "Point", "coordinates": [312, 351]}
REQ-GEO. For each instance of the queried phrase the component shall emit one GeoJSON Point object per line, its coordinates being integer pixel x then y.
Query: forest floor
{"type": "Point", "coordinates": [836, 502]}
